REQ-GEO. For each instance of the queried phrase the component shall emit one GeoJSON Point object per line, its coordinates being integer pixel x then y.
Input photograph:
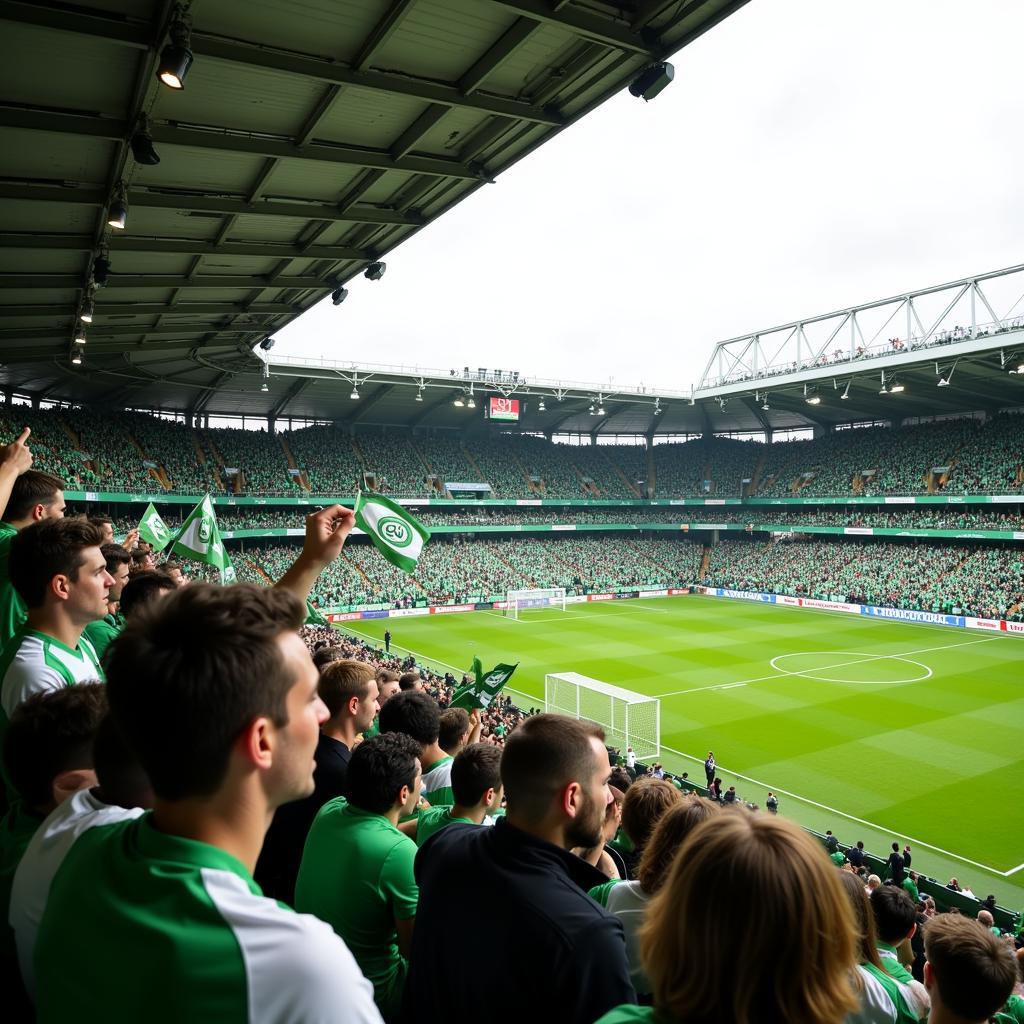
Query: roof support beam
{"type": "Point", "coordinates": [606, 31]}
{"type": "Point", "coordinates": [157, 309]}
{"type": "Point", "coordinates": [382, 32]}
{"type": "Point", "coordinates": [289, 396]}
{"type": "Point", "coordinates": [98, 331]}
{"type": "Point", "coordinates": [227, 140]}
{"type": "Point", "coordinates": [117, 281]}
{"type": "Point", "coordinates": [521, 30]}
{"type": "Point", "coordinates": [184, 246]}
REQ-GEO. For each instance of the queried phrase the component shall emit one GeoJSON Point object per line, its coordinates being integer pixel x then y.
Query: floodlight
{"type": "Point", "coordinates": [267, 343]}
{"type": "Point", "coordinates": [85, 314]}
{"type": "Point", "coordinates": [419, 395]}
{"type": "Point", "coordinates": [471, 403]}
{"type": "Point", "coordinates": [375, 271]}
{"type": "Point", "coordinates": [117, 215]}
{"type": "Point", "coordinates": [591, 410]}
{"type": "Point", "coordinates": [542, 407]}
{"type": "Point", "coordinates": [846, 394]}
{"type": "Point", "coordinates": [459, 401]}
{"type": "Point", "coordinates": [142, 148]}
{"type": "Point", "coordinates": [176, 56]}
{"type": "Point", "coordinates": [80, 336]}
{"type": "Point", "coordinates": [76, 357]}
{"type": "Point", "coordinates": [355, 393]}
{"type": "Point", "coordinates": [652, 80]}
{"type": "Point", "coordinates": [943, 383]}
{"type": "Point", "coordinates": [264, 386]}
{"type": "Point", "coordinates": [814, 399]}
{"type": "Point", "coordinates": [339, 295]}
{"type": "Point", "coordinates": [100, 270]}
{"type": "Point", "coordinates": [896, 388]}
{"type": "Point", "coordinates": [600, 409]}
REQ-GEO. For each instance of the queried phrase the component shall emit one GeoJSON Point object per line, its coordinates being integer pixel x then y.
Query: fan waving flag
{"type": "Point", "coordinates": [398, 537]}
{"type": "Point", "coordinates": [153, 529]}
{"type": "Point", "coordinates": [481, 692]}
{"type": "Point", "coordinates": [199, 539]}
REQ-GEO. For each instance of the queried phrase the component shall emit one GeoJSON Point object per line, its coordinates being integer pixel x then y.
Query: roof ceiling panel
{"type": "Point", "coordinates": [44, 156]}
{"type": "Point", "coordinates": [205, 170]}
{"type": "Point", "coordinates": [39, 261]}
{"type": "Point", "coordinates": [320, 181]}
{"type": "Point", "coordinates": [364, 117]}
{"type": "Point", "coordinates": [48, 218]}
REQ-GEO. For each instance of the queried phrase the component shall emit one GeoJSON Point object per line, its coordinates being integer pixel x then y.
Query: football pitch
{"type": "Point", "coordinates": [879, 730]}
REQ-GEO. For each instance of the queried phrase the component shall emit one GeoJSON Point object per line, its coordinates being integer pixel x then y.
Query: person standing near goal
{"type": "Point", "coordinates": [709, 767]}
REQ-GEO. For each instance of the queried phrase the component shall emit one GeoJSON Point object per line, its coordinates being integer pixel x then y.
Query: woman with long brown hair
{"type": "Point", "coordinates": [751, 927]}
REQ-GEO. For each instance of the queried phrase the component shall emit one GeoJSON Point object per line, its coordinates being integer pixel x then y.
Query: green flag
{"type": "Point", "coordinates": [313, 616]}
{"type": "Point", "coordinates": [153, 529]}
{"type": "Point", "coordinates": [199, 539]}
{"type": "Point", "coordinates": [397, 536]}
{"type": "Point", "coordinates": [485, 687]}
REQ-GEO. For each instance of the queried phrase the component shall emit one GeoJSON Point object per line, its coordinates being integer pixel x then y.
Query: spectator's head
{"type": "Point", "coordinates": [968, 971]}
{"type": "Point", "coordinates": [864, 920]}
{"type": "Point", "coordinates": [670, 832]}
{"type": "Point", "coordinates": [325, 655]}
{"type": "Point", "coordinates": [860, 844]}
{"type": "Point", "coordinates": [349, 689]}
{"type": "Point", "coordinates": [454, 730]}
{"type": "Point", "coordinates": [216, 693]}
{"type": "Point", "coordinates": [143, 559]}
{"type": "Point", "coordinates": [476, 777]}
{"type": "Point", "coordinates": [986, 919]}
{"type": "Point", "coordinates": [555, 772]}
{"type": "Point", "coordinates": [895, 914]}
{"type": "Point", "coordinates": [118, 560]}
{"type": "Point", "coordinates": [620, 779]}
{"type": "Point", "coordinates": [142, 590]}
{"type": "Point", "coordinates": [646, 801]}
{"type": "Point", "coordinates": [35, 496]}
{"type": "Point", "coordinates": [57, 564]}
{"type": "Point", "coordinates": [384, 775]}
{"type": "Point", "coordinates": [895, 847]}
{"type": "Point", "coordinates": [121, 778]}
{"type": "Point", "coordinates": [48, 746]}
{"type": "Point", "coordinates": [873, 882]}
{"type": "Point", "coordinates": [798, 949]}
{"type": "Point", "coordinates": [387, 684]}
{"type": "Point", "coordinates": [414, 713]}
{"type": "Point", "coordinates": [106, 524]}
{"type": "Point", "coordinates": [410, 682]}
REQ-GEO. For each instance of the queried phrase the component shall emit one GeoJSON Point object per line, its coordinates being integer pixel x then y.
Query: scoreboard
{"type": "Point", "coordinates": [504, 409]}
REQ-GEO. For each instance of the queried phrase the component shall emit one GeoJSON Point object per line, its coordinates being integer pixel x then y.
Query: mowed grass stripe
{"type": "Point", "coordinates": [935, 749]}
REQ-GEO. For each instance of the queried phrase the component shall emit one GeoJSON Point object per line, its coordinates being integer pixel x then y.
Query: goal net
{"type": "Point", "coordinates": [523, 600]}
{"type": "Point", "coordinates": [629, 719]}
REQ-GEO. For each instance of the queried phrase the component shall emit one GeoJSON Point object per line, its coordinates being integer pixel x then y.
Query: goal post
{"type": "Point", "coordinates": [523, 600]}
{"type": "Point", "coordinates": [629, 719]}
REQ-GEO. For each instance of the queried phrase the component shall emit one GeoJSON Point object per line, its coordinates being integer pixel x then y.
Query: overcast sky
{"type": "Point", "coordinates": [809, 155]}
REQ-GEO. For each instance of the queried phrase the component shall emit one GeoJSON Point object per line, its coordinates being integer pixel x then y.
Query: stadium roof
{"type": "Point", "coordinates": [309, 140]}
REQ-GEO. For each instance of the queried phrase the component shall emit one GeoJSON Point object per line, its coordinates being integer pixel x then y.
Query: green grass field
{"type": "Point", "coordinates": [878, 730]}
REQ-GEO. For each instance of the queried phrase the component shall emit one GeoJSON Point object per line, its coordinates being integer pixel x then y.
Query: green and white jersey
{"type": "Point", "coordinates": [627, 1014]}
{"type": "Point", "coordinates": [883, 1000]}
{"type": "Point", "coordinates": [43, 857]}
{"type": "Point", "coordinates": [12, 609]}
{"type": "Point", "coordinates": [145, 925]}
{"type": "Point", "coordinates": [433, 819]}
{"type": "Point", "coordinates": [102, 633]}
{"type": "Point", "coordinates": [357, 875]}
{"type": "Point", "coordinates": [628, 902]}
{"type": "Point", "coordinates": [914, 992]}
{"type": "Point", "coordinates": [437, 783]}
{"type": "Point", "coordinates": [33, 662]}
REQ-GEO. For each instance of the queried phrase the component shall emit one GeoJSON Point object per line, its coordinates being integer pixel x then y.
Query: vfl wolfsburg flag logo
{"type": "Point", "coordinates": [153, 529]}
{"type": "Point", "coordinates": [199, 539]}
{"type": "Point", "coordinates": [397, 536]}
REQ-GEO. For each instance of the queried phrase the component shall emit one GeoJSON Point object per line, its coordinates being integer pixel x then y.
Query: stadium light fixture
{"type": "Point", "coordinates": [542, 407]}
{"type": "Point", "coordinates": [267, 343]}
{"type": "Point", "coordinates": [419, 395]}
{"type": "Point", "coordinates": [471, 402]}
{"type": "Point", "coordinates": [80, 335]}
{"type": "Point", "coordinates": [85, 314]}
{"type": "Point", "coordinates": [76, 357]}
{"type": "Point", "coordinates": [650, 82]}
{"type": "Point", "coordinates": [766, 406]}
{"type": "Point", "coordinates": [101, 270]}
{"type": "Point", "coordinates": [896, 388]}
{"type": "Point", "coordinates": [176, 56]}
{"type": "Point", "coordinates": [846, 391]}
{"type": "Point", "coordinates": [117, 215]}
{"type": "Point", "coordinates": [814, 399]}
{"type": "Point", "coordinates": [355, 393]}
{"type": "Point", "coordinates": [591, 409]}
{"type": "Point", "coordinates": [264, 386]}
{"type": "Point", "coordinates": [339, 295]}
{"type": "Point", "coordinates": [141, 144]}
{"type": "Point", "coordinates": [375, 271]}
{"type": "Point", "coordinates": [459, 401]}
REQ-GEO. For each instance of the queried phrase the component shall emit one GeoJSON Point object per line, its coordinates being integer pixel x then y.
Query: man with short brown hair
{"type": "Point", "coordinates": [968, 972]}
{"type": "Point", "coordinates": [555, 773]}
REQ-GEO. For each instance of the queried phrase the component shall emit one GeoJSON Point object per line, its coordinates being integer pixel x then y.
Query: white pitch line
{"type": "Point", "coordinates": [851, 817]}
{"type": "Point", "coordinates": [783, 673]}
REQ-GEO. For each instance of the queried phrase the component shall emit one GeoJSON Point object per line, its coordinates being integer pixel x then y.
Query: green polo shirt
{"type": "Point", "coordinates": [103, 632]}
{"type": "Point", "coordinates": [911, 889]}
{"type": "Point", "coordinates": [12, 609]}
{"type": "Point", "coordinates": [433, 819]}
{"type": "Point", "coordinates": [357, 875]}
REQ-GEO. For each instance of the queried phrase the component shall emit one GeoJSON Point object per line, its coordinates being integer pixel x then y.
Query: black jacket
{"type": "Point", "coordinates": [497, 904]}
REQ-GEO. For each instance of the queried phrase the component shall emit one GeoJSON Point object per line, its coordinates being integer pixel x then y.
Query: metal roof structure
{"type": "Point", "coordinates": [311, 137]}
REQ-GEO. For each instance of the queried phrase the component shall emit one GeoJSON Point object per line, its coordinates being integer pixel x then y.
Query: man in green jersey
{"type": "Point", "coordinates": [417, 715]}
{"type": "Point", "coordinates": [476, 785]}
{"type": "Point", "coordinates": [101, 632]}
{"type": "Point", "coordinates": [357, 868]}
{"type": "Point", "coordinates": [30, 496]}
{"type": "Point", "coordinates": [57, 567]}
{"type": "Point", "coordinates": [896, 922]}
{"type": "Point", "coordinates": [969, 973]}
{"type": "Point", "coordinates": [48, 755]}
{"type": "Point", "coordinates": [218, 697]}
